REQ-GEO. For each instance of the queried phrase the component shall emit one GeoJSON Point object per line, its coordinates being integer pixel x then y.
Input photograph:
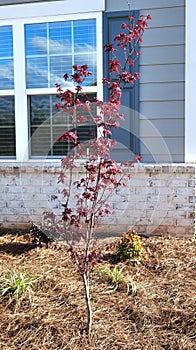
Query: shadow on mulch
{"type": "Point", "coordinates": [111, 258]}
{"type": "Point", "coordinates": [15, 248]}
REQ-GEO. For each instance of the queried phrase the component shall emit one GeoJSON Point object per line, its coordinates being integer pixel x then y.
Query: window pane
{"type": "Point", "coordinates": [7, 127]}
{"type": "Point", "coordinates": [53, 48]}
{"type": "Point", "coordinates": [47, 124]}
{"type": "Point", "coordinates": [85, 35]}
{"type": "Point", "coordinates": [36, 39]}
{"type": "Point", "coordinates": [60, 34]}
{"type": "Point", "coordinates": [6, 58]}
{"type": "Point", "coordinates": [85, 47]}
{"type": "Point", "coordinates": [90, 60]}
{"type": "Point", "coordinates": [58, 67]}
{"type": "Point", "coordinates": [39, 110]}
{"type": "Point", "coordinates": [37, 68]}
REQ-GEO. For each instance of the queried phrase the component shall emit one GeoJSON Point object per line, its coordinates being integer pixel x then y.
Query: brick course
{"type": "Point", "coordinates": [158, 199]}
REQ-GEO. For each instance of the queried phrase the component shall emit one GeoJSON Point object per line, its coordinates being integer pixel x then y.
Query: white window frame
{"type": "Point", "coordinates": [20, 92]}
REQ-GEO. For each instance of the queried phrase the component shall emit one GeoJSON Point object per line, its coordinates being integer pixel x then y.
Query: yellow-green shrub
{"type": "Point", "coordinates": [130, 247]}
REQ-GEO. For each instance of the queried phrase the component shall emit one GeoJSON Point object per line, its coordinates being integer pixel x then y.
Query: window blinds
{"type": "Point", "coordinates": [7, 127]}
{"type": "Point", "coordinates": [47, 124]}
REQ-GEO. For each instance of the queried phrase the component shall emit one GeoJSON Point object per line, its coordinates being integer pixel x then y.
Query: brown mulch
{"type": "Point", "coordinates": [161, 315]}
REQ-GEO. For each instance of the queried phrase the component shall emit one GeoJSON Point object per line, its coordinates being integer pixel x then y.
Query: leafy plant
{"type": "Point", "coordinates": [88, 174]}
{"type": "Point", "coordinates": [16, 284]}
{"type": "Point", "coordinates": [117, 278]}
{"type": "Point", "coordinates": [130, 247]}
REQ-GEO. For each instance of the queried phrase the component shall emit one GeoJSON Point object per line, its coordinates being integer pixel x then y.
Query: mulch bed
{"type": "Point", "coordinates": [161, 315]}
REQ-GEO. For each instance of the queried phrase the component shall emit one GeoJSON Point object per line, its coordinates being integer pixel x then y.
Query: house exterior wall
{"type": "Point", "coordinates": [162, 66]}
{"type": "Point", "coordinates": [158, 199]}
{"type": "Point", "coordinates": [162, 82]}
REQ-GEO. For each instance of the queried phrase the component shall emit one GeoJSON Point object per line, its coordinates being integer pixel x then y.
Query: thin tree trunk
{"type": "Point", "coordinates": [88, 303]}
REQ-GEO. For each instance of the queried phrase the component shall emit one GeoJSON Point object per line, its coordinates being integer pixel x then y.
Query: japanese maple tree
{"type": "Point", "coordinates": [88, 174]}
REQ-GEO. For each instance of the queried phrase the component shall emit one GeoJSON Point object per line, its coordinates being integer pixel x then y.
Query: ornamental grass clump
{"type": "Point", "coordinates": [16, 284]}
{"type": "Point", "coordinates": [117, 278]}
{"type": "Point", "coordinates": [130, 247]}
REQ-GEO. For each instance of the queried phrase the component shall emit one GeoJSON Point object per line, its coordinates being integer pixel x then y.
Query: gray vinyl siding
{"type": "Point", "coordinates": [161, 87]}
{"type": "Point", "coordinates": [170, 91]}
{"type": "Point", "coordinates": [121, 5]}
{"type": "Point", "coordinates": [162, 73]}
{"type": "Point", "coordinates": [161, 55]}
{"type": "Point", "coordinates": [163, 109]}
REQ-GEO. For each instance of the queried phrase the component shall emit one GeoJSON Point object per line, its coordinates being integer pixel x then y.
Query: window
{"type": "Point", "coordinates": [38, 45]}
{"type": "Point", "coordinates": [51, 49]}
{"type": "Point", "coordinates": [7, 115]}
{"type": "Point", "coordinates": [47, 125]}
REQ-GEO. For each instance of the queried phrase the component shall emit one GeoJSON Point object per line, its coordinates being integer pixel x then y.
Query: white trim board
{"type": "Point", "coordinates": [190, 83]}
{"type": "Point", "coordinates": [52, 8]}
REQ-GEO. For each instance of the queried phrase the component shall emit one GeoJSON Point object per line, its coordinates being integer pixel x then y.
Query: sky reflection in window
{"type": "Point", "coordinates": [6, 58]}
{"type": "Point", "coordinates": [52, 49]}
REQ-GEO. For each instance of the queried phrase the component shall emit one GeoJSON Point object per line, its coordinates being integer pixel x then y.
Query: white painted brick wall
{"type": "Point", "coordinates": [158, 199]}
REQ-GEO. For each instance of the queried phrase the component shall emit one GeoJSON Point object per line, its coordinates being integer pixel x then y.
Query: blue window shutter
{"type": "Point", "coordinates": [127, 135]}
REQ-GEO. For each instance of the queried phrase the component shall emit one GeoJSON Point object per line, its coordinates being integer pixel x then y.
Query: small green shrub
{"type": "Point", "coordinates": [15, 284]}
{"type": "Point", "coordinates": [130, 247]}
